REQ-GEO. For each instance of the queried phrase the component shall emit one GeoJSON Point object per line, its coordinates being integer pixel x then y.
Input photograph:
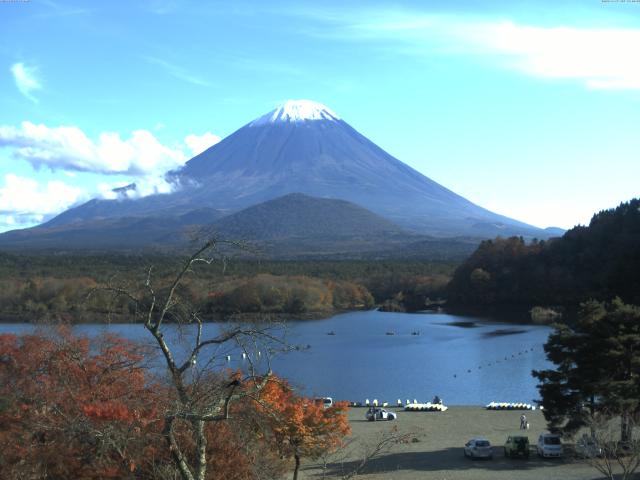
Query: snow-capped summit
{"type": "Point", "coordinates": [297, 111]}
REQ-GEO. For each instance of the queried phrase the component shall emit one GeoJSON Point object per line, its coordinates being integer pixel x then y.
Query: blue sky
{"type": "Point", "coordinates": [530, 109]}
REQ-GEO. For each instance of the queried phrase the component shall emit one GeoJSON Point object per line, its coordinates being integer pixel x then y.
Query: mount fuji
{"type": "Point", "coordinates": [300, 147]}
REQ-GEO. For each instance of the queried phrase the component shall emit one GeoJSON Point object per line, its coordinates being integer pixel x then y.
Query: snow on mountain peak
{"type": "Point", "coordinates": [297, 111]}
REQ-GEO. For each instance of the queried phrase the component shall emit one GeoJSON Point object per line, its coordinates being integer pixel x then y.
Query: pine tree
{"type": "Point", "coordinates": [597, 368]}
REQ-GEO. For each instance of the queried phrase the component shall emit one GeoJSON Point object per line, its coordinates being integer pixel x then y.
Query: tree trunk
{"type": "Point", "coordinates": [176, 453]}
{"type": "Point", "coordinates": [626, 428]}
{"type": "Point", "coordinates": [297, 467]}
{"type": "Point", "coordinates": [201, 449]}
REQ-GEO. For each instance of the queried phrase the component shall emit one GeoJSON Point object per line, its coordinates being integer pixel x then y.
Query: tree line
{"type": "Point", "coordinates": [57, 288]}
{"type": "Point", "coordinates": [599, 261]}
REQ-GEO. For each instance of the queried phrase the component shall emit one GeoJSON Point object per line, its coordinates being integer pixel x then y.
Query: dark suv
{"type": "Point", "coordinates": [516, 446]}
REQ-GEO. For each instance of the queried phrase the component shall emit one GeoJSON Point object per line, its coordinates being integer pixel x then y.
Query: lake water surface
{"type": "Point", "coordinates": [464, 360]}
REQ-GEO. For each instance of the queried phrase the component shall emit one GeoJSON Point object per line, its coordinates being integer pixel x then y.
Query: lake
{"type": "Point", "coordinates": [465, 360]}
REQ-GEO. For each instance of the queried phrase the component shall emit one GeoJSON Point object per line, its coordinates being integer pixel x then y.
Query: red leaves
{"type": "Point", "coordinates": [108, 411]}
{"type": "Point", "coordinates": [301, 426]}
{"type": "Point", "coordinates": [72, 408]}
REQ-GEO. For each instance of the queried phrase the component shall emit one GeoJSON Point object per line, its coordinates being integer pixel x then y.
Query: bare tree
{"type": "Point", "coordinates": [603, 449]}
{"type": "Point", "coordinates": [202, 391]}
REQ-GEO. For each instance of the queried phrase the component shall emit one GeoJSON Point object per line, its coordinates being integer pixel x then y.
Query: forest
{"type": "Point", "coordinates": [599, 261]}
{"type": "Point", "coordinates": [66, 288]}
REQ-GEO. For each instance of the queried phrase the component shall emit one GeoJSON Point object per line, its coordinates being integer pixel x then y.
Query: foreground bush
{"type": "Point", "coordinates": [81, 409]}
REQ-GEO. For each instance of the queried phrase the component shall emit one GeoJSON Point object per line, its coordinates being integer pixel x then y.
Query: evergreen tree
{"type": "Point", "coordinates": [597, 368]}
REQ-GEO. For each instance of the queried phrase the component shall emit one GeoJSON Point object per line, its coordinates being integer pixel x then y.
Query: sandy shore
{"type": "Point", "coordinates": [437, 451]}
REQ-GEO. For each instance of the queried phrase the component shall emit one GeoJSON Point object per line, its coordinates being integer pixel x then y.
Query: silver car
{"type": "Point", "coordinates": [478, 447]}
{"type": "Point", "coordinates": [549, 445]}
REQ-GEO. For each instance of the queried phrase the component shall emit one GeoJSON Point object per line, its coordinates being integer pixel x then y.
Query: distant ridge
{"type": "Point", "coordinates": [300, 216]}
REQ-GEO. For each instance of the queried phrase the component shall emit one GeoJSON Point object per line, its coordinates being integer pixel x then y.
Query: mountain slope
{"type": "Point", "coordinates": [299, 147]}
{"type": "Point", "coordinates": [305, 147]}
{"type": "Point", "coordinates": [125, 234]}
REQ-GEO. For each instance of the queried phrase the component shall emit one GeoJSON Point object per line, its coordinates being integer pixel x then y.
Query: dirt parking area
{"type": "Point", "coordinates": [437, 449]}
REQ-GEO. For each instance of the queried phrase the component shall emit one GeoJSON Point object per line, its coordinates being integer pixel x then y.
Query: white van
{"type": "Point", "coordinates": [327, 402]}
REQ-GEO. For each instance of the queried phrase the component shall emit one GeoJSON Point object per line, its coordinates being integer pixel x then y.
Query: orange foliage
{"type": "Point", "coordinates": [300, 426]}
{"type": "Point", "coordinates": [72, 409]}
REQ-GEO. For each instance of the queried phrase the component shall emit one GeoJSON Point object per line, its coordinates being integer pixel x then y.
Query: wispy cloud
{"type": "Point", "coordinates": [179, 72]}
{"type": "Point", "coordinates": [26, 80]}
{"type": "Point", "coordinates": [599, 58]}
{"type": "Point", "coordinates": [69, 148]}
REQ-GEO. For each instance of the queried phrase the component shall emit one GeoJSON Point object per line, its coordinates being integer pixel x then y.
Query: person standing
{"type": "Point", "coordinates": [523, 422]}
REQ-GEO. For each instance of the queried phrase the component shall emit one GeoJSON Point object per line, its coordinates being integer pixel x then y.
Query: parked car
{"type": "Point", "coordinates": [516, 446]}
{"type": "Point", "coordinates": [588, 447]}
{"type": "Point", "coordinates": [379, 414]}
{"type": "Point", "coordinates": [478, 448]}
{"type": "Point", "coordinates": [327, 402]}
{"type": "Point", "coordinates": [549, 445]}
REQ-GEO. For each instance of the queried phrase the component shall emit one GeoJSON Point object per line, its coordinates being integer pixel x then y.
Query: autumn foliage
{"type": "Point", "coordinates": [74, 408]}
{"type": "Point", "coordinates": [301, 427]}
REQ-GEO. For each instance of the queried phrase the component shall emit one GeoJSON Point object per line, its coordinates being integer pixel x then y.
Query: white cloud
{"type": "Point", "coordinates": [68, 148]}
{"type": "Point", "coordinates": [24, 201]}
{"type": "Point", "coordinates": [199, 143]}
{"type": "Point", "coordinates": [599, 58]}
{"type": "Point", "coordinates": [26, 80]}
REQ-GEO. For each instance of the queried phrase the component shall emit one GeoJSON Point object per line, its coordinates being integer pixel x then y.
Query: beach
{"type": "Point", "coordinates": [435, 448]}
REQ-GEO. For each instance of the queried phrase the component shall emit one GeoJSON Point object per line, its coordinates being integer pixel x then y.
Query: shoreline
{"type": "Point", "coordinates": [489, 314]}
{"type": "Point", "coordinates": [221, 318]}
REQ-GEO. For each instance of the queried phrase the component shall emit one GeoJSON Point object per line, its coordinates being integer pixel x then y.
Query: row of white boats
{"type": "Point", "coordinates": [425, 407]}
{"type": "Point", "coordinates": [415, 406]}
{"type": "Point", "coordinates": [409, 406]}
{"type": "Point", "coordinates": [510, 406]}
